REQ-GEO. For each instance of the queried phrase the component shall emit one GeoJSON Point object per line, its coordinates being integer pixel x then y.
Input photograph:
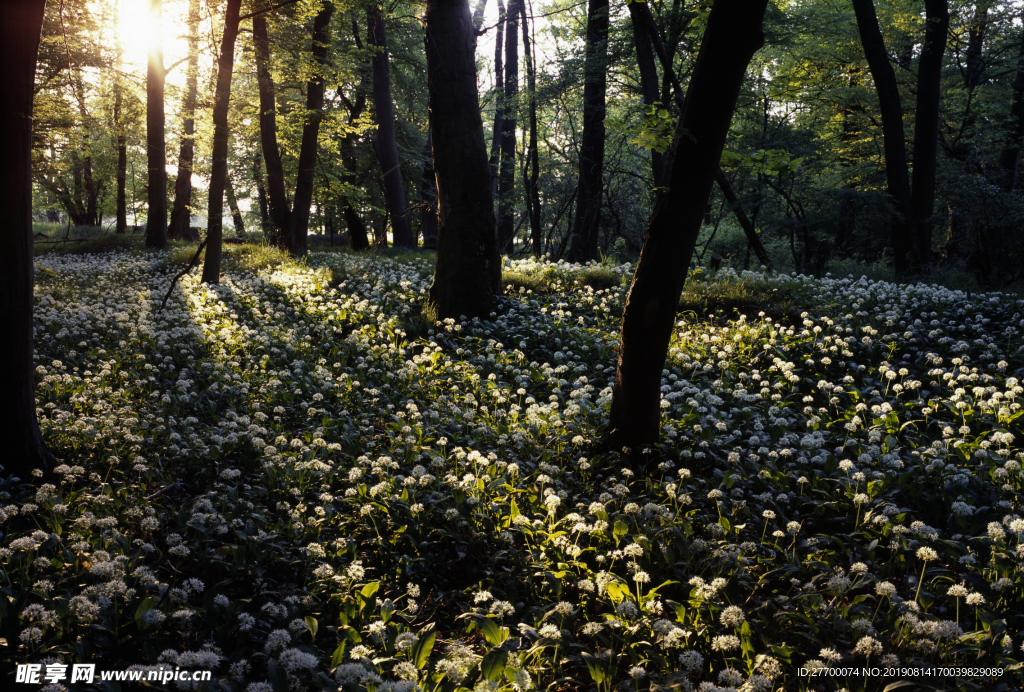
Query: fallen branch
{"type": "Point", "coordinates": [161, 491]}
{"type": "Point", "coordinates": [183, 272]}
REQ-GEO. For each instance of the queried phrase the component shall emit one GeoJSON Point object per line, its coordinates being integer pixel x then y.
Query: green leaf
{"type": "Point", "coordinates": [595, 668]}
{"type": "Point", "coordinates": [420, 653]}
{"type": "Point", "coordinates": [370, 589]}
{"type": "Point", "coordinates": [312, 624]}
{"type": "Point", "coordinates": [617, 592]}
{"type": "Point", "coordinates": [339, 655]}
{"type": "Point", "coordinates": [493, 664]}
{"type": "Point", "coordinates": [144, 607]}
{"type": "Point", "coordinates": [620, 529]}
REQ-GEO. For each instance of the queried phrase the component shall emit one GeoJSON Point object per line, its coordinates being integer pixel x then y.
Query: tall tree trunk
{"type": "Point", "coordinates": [428, 195]}
{"type": "Point", "coordinates": [276, 199]}
{"type": "Point", "coordinates": [236, 213]}
{"type": "Point", "coordinates": [507, 162]}
{"type": "Point", "coordinates": [121, 210]}
{"type": "Point", "coordinates": [926, 129]}
{"type": "Point", "coordinates": [156, 156]}
{"type": "Point", "coordinates": [181, 211]}
{"type": "Point", "coordinates": [648, 75]}
{"type": "Point", "coordinates": [1010, 154]}
{"type": "Point", "coordinates": [531, 178]}
{"type": "Point", "coordinates": [897, 177]}
{"type": "Point", "coordinates": [467, 273]}
{"type": "Point", "coordinates": [384, 143]}
{"type": "Point", "coordinates": [24, 450]}
{"type": "Point", "coordinates": [975, 66]}
{"type": "Point", "coordinates": [732, 36]}
{"type": "Point", "coordinates": [499, 99]}
{"type": "Point", "coordinates": [357, 234]}
{"type": "Point", "coordinates": [261, 197]}
{"type": "Point", "coordinates": [219, 169]}
{"type": "Point", "coordinates": [298, 226]}
{"type": "Point", "coordinates": [583, 246]}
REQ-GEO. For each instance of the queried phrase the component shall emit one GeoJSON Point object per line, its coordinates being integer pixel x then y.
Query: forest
{"type": "Point", "coordinates": [473, 346]}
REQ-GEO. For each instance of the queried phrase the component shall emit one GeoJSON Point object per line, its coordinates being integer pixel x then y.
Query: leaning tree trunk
{"type": "Point", "coordinates": [648, 75]}
{"type": "Point", "coordinates": [299, 222]}
{"type": "Point", "coordinates": [507, 161]}
{"type": "Point", "coordinates": [236, 213]}
{"type": "Point", "coordinates": [732, 36]}
{"type": "Point", "coordinates": [467, 273]}
{"type": "Point", "coordinates": [181, 211]}
{"type": "Point", "coordinates": [276, 199]}
{"type": "Point", "coordinates": [156, 156]}
{"type": "Point", "coordinates": [384, 142]}
{"type": "Point", "coordinates": [583, 246]}
{"type": "Point", "coordinates": [894, 145]}
{"type": "Point", "coordinates": [24, 450]}
{"type": "Point", "coordinates": [926, 129]}
{"type": "Point", "coordinates": [219, 169]}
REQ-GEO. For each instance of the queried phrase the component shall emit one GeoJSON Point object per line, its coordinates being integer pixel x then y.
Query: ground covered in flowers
{"type": "Point", "coordinates": [295, 481]}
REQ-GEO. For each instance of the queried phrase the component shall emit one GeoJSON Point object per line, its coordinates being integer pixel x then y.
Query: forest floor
{"type": "Point", "coordinates": [296, 482]}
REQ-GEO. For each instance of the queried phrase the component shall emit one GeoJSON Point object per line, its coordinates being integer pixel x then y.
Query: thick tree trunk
{"type": "Point", "coordinates": [156, 156]}
{"type": "Point", "coordinates": [384, 143]}
{"type": "Point", "coordinates": [181, 211]}
{"type": "Point", "coordinates": [236, 213]}
{"type": "Point", "coordinates": [1010, 154]}
{"type": "Point", "coordinates": [583, 246]}
{"type": "Point", "coordinates": [891, 110]}
{"type": "Point", "coordinates": [358, 237]}
{"type": "Point", "coordinates": [974, 66]}
{"type": "Point", "coordinates": [24, 450]}
{"type": "Point", "coordinates": [219, 156]}
{"type": "Point", "coordinates": [926, 129]}
{"type": "Point", "coordinates": [276, 199]}
{"type": "Point", "coordinates": [648, 75]}
{"type": "Point", "coordinates": [732, 36]}
{"type": "Point", "coordinates": [531, 178]}
{"type": "Point", "coordinates": [467, 273]}
{"type": "Point", "coordinates": [507, 162]}
{"type": "Point", "coordinates": [428, 195]}
{"type": "Point", "coordinates": [298, 226]}
{"type": "Point", "coordinates": [499, 99]}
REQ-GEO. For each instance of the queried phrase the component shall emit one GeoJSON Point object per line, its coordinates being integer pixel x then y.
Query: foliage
{"type": "Point", "coordinates": [272, 479]}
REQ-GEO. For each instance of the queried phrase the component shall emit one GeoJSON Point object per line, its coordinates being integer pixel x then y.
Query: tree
{"type": "Point", "coordinates": [912, 232]}
{"type": "Point", "coordinates": [20, 28]}
{"type": "Point", "coordinates": [733, 34]}
{"type": "Point", "coordinates": [181, 212]}
{"type": "Point", "coordinates": [219, 171]}
{"type": "Point", "coordinates": [156, 156]}
{"type": "Point", "coordinates": [467, 273]}
{"type": "Point", "coordinates": [384, 143]}
{"type": "Point", "coordinates": [583, 246]}
{"type": "Point", "coordinates": [507, 159]}
{"type": "Point", "coordinates": [290, 226]}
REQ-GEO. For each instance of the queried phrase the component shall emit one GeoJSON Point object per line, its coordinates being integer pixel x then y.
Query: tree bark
{"type": "Point", "coordinates": [583, 246]}
{"type": "Point", "coordinates": [276, 199]}
{"type": "Point", "coordinates": [428, 195]}
{"type": "Point", "coordinates": [499, 99]}
{"type": "Point", "coordinates": [753, 240]}
{"type": "Point", "coordinates": [507, 161]}
{"type": "Point", "coordinates": [236, 213]}
{"type": "Point", "coordinates": [1010, 154]}
{"type": "Point", "coordinates": [926, 129]}
{"type": "Point", "coordinates": [648, 75]}
{"type": "Point", "coordinates": [467, 273]}
{"type": "Point", "coordinates": [385, 144]}
{"type": "Point", "coordinates": [298, 226]}
{"type": "Point", "coordinates": [121, 206]}
{"type": "Point", "coordinates": [181, 211]}
{"type": "Point", "coordinates": [732, 36]}
{"type": "Point", "coordinates": [261, 198]}
{"type": "Point", "coordinates": [891, 110]}
{"type": "Point", "coordinates": [219, 169]}
{"type": "Point", "coordinates": [531, 178]}
{"type": "Point", "coordinates": [156, 156]}
{"type": "Point", "coordinates": [24, 450]}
